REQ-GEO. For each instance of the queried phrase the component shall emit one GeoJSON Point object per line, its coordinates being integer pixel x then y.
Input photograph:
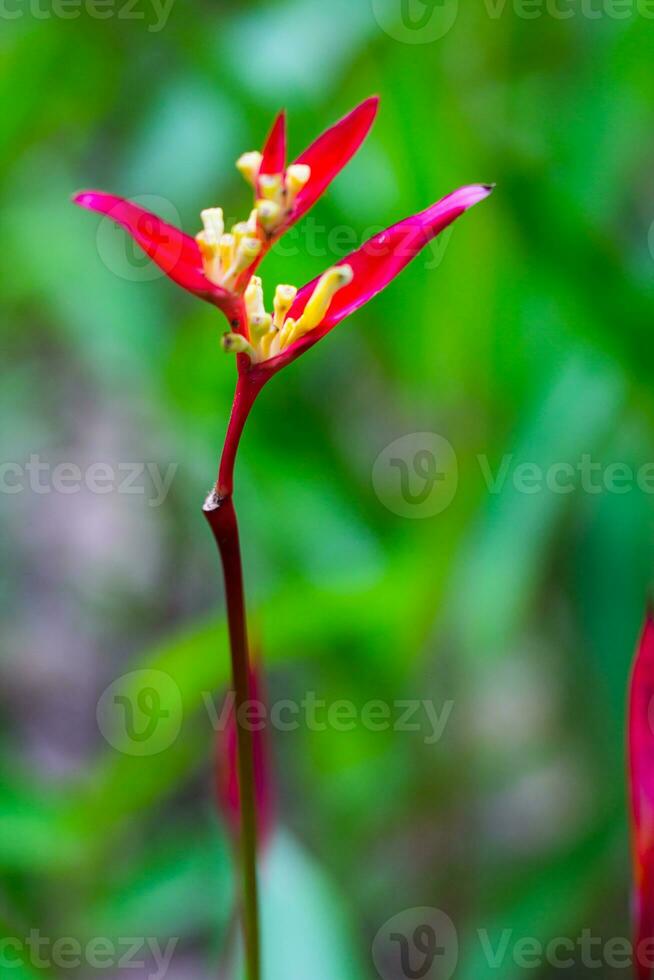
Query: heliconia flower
{"type": "Point", "coordinates": [220, 266]}
{"type": "Point", "coordinates": [227, 789]}
{"type": "Point", "coordinates": [217, 264]}
{"type": "Point", "coordinates": [641, 764]}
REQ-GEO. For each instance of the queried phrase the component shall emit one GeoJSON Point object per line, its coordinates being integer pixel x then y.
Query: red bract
{"type": "Point", "coordinates": [641, 764]}
{"type": "Point", "coordinates": [273, 159]}
{"type": "Point", "coordinates": [332, 151]}
{"type": "Point", "coordinates": [295, 189]}
{"type": "Point", "coordinates": [176, 253]}
{"type": "Point", "coordinates": [376, 263]}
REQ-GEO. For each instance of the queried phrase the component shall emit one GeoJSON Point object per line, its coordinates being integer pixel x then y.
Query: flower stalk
{"type": "Point", "coordinates": [219, 267]}
{"type": "Point", "coordinates": [221, 516]}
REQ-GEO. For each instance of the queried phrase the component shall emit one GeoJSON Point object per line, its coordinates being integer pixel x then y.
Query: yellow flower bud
{"type": "Point", "coordinates": [270, 186]}
{"type": "Point", "coordinates": [326, 288]}
{"type": "Point", "coordinates": [297, 177]}
{"type": "Point", "coordinates": [249, 165]}
{"type": "Point", "coordinates": [284, 296]}
{"type": "Point", "coordinates": [269, 213]}
{"type": "Point", "coordinates": [234, 343]}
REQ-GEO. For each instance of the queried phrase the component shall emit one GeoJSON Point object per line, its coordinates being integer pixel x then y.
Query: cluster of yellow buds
{"type": "Point", "coordinates": [270, 335]}
{"type": "Point", "coordinates": [277, 192]}
{"type": "Point", "coordinates": [226, 255]}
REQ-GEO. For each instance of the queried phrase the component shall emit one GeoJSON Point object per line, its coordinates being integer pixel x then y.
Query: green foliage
{"type": "Point", "coordinates": [524, 337]}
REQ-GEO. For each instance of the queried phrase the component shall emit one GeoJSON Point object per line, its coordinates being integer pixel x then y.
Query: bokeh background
{"type": "Point", "coordinates": [525, 337]}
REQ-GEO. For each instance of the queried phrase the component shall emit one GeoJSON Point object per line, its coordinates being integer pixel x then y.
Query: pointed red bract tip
{"type": "Point", "coordinates": [332, 150]}
{"type": "Point", "coordinates": [467, 197]}
{"type": "Point", "coordinates": [84, 199]}
{"type": "Point", "coordinates": [176, 253]}
{"type": "Point", "coordinates": [274, 151]}
{"type": "Point", "coordinates": [641, 765]}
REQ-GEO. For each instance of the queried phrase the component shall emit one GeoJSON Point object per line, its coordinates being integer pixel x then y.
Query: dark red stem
{"type": "Point", "coordinates": [221, 517]}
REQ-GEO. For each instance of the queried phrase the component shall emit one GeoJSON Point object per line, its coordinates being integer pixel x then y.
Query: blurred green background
{"type": "Point", "coordinates": [524, 338]}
